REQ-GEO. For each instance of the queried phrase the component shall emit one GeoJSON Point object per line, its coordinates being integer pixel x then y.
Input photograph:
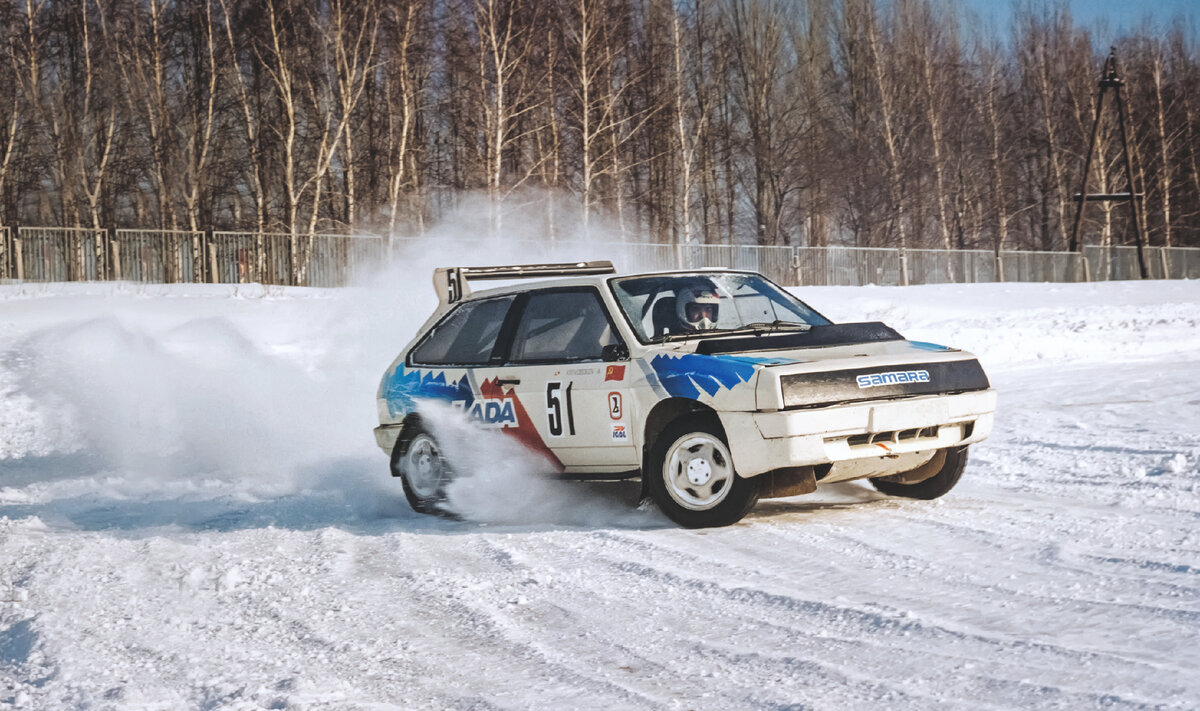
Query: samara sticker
{"type": "Point", "coordinates": [896, 377]}
{"type": "Point", "coordinates": [614, 372]}
{"type": "Point", "coordinates": [620, 433]}
{"type": "Point", "coordinates": [614, 405]}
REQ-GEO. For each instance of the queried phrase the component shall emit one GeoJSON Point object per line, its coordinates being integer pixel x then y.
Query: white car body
{"type": "Point", "coordinates": [796, 414]}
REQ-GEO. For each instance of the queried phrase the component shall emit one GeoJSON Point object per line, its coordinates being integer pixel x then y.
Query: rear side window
{"type": "Point", "coordinates": [465, 337]}
{"type": "Point", "coordinates": [562, 326]}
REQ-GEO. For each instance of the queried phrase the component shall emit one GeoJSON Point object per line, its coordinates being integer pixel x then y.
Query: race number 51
{"type": "Point", "coordinates": [559, 408]}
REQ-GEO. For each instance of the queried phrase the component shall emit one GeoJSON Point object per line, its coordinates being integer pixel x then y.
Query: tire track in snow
{"type": "Point", "coordinates": [866, 625]}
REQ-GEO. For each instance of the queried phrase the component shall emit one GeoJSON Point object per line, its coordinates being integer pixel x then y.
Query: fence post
{"type": "Point", "coordinates": [17, 253]}
{"type": "Point", "coordinates": [797, 265]}
{"type": "Point", "coordinates": [115, 246]}
{"type": "Point", "coordinates": [199, 240]}
{"type": "Point", "coordinates": [102, 256]}
{"type": "Point", "coordinates": [999, 267]}
{"type": "Point", "coordinates": [212, 262]}
{"type": "Point", "coordinates": [1166, 266]}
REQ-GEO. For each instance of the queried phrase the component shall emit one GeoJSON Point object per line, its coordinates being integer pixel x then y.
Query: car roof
{"type": "Point", "coordinates": [523, 285]}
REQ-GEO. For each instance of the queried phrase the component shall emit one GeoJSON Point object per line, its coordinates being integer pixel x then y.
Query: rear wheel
{"type": "Point", "coordinates": [933, 487]}
{"type": "Point", "coordinates": [692, 479]}
{"type": "Point", "coordinates": [423, 471]}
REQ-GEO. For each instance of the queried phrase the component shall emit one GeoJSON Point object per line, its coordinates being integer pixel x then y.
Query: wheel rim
{"type": "Point", "coordinates": [699, 471]}
{"type": "Point", "coordinates": [424, 468]}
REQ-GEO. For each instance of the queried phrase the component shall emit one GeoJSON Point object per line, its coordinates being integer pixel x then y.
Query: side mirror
{"type": "Point", "coordinates": [614, 352]}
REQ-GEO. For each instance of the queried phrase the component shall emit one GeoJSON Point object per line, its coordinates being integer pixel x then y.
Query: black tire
{"type": "Point", "coordinates": [705, 494]}
{"type": "Point", "coordinates": [933, 487]}
{"type": "Point", "coordinates": [423, 472]}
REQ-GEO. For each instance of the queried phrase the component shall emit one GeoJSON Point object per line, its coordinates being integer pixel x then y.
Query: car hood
{"type": "Point", "coordinates": [815, 376]}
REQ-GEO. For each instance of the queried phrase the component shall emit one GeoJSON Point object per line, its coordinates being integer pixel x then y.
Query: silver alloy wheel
{"type": "Point", "coordinates": [423, 467]}
{"type": "Point", "coordinates": [699, 471]}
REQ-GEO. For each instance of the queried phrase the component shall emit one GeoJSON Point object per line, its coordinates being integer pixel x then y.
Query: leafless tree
{"type": "Point", "coordinates": [861, 122]}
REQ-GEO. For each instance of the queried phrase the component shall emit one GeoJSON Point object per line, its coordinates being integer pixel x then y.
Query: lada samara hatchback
{"type": "Point", "coordinates": [715, 387]}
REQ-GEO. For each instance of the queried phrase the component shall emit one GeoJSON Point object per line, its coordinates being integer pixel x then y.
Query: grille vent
{"type": "Point", "coordinates": [894, 437]}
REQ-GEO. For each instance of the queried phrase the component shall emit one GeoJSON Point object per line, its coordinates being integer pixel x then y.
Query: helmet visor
{"type": "Point", "coordinates": [697, 312]}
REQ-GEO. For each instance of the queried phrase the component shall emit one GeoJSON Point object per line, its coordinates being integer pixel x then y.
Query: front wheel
{"type": "Point", "coordinates": [423, 471]}
{"type": "Point", "coordinates": [933, 487]}
{"type": "Point", "coordinates": [691, 476]}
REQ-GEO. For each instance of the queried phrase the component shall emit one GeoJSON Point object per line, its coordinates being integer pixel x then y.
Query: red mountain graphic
{"type": "Point", "coordinates": [525, 432]}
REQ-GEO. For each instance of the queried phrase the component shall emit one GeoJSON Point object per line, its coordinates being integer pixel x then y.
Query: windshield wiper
{"type": "Point", "coordinates": [777, 326]}
{"type": "Point", "coordinates": [768, 328]}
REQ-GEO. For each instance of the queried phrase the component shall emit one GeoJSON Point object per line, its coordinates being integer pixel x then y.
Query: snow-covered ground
{"type": "Point", "coordinates": [193, 514]}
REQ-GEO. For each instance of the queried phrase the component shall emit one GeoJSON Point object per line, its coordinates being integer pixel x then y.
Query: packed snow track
{"type": "Point", "coordinates": [193, 514]}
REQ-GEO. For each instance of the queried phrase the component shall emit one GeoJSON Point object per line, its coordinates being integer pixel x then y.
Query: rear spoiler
{"type": "Point", "coordinates": [451, 285]}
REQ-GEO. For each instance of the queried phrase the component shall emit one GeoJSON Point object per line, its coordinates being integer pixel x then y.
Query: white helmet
{"type": "Point", "coordinates": [697, 307]}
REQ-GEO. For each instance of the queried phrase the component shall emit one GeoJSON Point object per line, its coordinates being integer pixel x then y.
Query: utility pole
{"type": "Point", "coordinates": [1110, 79]}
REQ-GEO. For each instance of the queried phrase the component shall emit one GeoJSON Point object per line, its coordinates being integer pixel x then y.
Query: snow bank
{"type": "Point", "coordinates": [1017, 325]}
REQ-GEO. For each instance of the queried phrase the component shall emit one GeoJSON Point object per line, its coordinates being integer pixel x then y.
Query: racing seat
{"type": "Point", "coordinates": [663, 318]}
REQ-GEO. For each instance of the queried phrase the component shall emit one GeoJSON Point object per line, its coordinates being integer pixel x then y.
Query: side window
{"type": "Point", "coordinates": [466, 336]}
{"type": "Point", "coordinates": [562, 326]}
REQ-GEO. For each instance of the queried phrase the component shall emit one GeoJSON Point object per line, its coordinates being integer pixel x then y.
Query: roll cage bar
{"type": "Point", "coordinates": [451, 283]}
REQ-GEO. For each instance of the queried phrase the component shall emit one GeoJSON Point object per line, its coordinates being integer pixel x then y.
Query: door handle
{"type": "Point", "coordinates": [508, 381]}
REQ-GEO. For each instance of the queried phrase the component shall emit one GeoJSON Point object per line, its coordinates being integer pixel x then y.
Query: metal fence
{"type": "Point", "coordinates": [324, 260]}
{"type": "Point", "coordinates": [57, 254]}
{"type": "Point", "coordinates": [45, 254]}
{"type": "Point", "coordinates": [1116, 263]}
{"type": "Point", "coordinates": [833, 266]}
{"type": "Point", "coordinates": [157, 256]}
{"type": "Point", "coordinates": [856, 266]}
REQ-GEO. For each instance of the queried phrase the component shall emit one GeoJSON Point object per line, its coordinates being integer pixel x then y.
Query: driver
{"type": "Point", "coordinates": [697, 308]}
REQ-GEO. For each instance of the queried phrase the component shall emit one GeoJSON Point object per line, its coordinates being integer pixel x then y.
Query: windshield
{"type": "Point", "coordinates": [669, 306]}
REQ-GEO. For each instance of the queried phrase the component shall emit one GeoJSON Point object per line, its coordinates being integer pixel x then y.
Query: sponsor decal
{"type": "Point", "coordinates": [620, 433]}
{"type": "Point", "coordinates": [895, 377]}
{"type": "Point", "coordinates": [925, 346]}
{"type": "Point", "coordinates": [690, 374]}
{"type": "Point", "coordinates": [614, 405]}
{"type": "Point", "coordinates": [489, 412]}
{"type": "Point", "coordinates": [404, 387]}
{"type": "Point", "coordinates": [614, 372]}
{"type": "Point", "coordinates": [524, 432]}
{"type": "Point", "coordinates": [490, 406]}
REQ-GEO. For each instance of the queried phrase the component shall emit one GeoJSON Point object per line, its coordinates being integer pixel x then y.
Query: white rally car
{"type": "Point", "coordinates": [716, 387]}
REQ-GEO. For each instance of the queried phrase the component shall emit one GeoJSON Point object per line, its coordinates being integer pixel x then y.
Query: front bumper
{"type": "Point", "coordinates": [386, 436]}
{"type": "Point", "coordinates": [864, 439]}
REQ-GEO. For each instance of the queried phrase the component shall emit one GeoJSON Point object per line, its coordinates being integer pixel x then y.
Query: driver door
{"type": "Point", "coordinates": [578, 401]}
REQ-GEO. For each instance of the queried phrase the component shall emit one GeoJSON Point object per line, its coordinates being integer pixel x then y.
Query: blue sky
{"type": "Point", "coordinates": [1120, 16]}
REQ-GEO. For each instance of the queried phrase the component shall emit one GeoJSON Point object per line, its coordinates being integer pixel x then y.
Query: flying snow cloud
{"type": "Point", "coordinates": [499, 481]}
{"type": "Point", "coordinates": [198, 400]}
{"type": "Point", "coordinates": [262, 392]}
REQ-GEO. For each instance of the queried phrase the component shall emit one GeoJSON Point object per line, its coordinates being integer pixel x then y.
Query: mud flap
{"type": "Point", "coordinates": [788, 481]}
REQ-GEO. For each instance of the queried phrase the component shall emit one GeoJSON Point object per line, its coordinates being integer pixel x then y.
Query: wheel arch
{"type": "Point", "coordinates": [408, 425]}
{"type": "Point", "coordinates": [674, 418]}
{"type": "Point", "coordinates": [669, 410]}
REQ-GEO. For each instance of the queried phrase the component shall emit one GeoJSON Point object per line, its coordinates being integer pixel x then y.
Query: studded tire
{"type": "Point", "coordinates": [691, 477]}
